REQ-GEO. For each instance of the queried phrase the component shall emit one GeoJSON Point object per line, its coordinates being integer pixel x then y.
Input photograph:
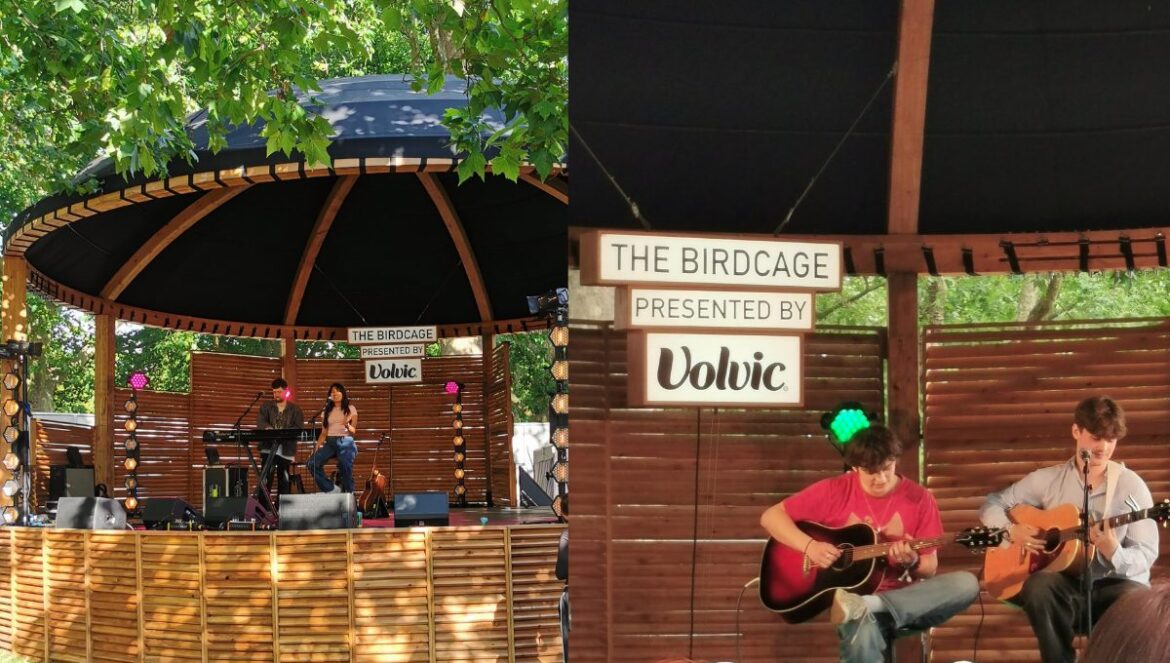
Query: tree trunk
{"type": "Point", "coordinates": [936, 299]}
{"type": "Point", "coordinates": [1042, 307]}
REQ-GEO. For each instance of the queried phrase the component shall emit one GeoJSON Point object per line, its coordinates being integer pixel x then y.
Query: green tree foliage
{"type": "Point", "coordinates": [529, 359]}
{"type": "Point", "coordinates": [1006, 298]}
{"type": "Point", "coordinates": [117, 78]}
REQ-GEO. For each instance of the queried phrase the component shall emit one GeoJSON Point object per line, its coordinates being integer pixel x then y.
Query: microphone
{"type": "Point", "coordinates": [1085, 455]}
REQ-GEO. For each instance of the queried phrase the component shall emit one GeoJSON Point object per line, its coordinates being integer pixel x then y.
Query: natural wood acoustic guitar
{"type": "Point", "coordinates": [1006, 568]}
{"type": "Point", "coordinates": [800, 591]}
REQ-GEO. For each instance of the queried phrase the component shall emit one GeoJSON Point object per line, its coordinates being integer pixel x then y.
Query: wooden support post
{"type": "Point", "coordinates": [14, 325]}
{"type": "Point", "coordinates": [103, 400]}
{"type": "Point", "coordinates": [288, 362]}
{"type": "Point", "coordinates": [903, 371]}
{"type": "Point", "coordinates": [487, 342]}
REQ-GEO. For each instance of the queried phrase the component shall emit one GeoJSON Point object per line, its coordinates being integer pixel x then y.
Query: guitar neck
{"type": "Point", "coordinates": [883, 549]}
{"type": "Point", "coordinates": [1124, 519]}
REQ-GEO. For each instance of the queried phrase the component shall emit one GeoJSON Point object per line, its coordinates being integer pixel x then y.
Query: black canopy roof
{"type": "Point", "coordinates": [1040, 116]}
{"type": "Point", "coordinates": [403, 247]}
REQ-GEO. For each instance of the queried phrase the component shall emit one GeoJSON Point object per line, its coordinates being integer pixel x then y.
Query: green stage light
{"type": "Point", "coordinates": [844, 422]}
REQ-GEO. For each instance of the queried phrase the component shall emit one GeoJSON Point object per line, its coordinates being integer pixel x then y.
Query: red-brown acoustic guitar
{"type": "Point", "coordinates": [800, 592]}
{"type": "Point", "coordinates": [372, 502]}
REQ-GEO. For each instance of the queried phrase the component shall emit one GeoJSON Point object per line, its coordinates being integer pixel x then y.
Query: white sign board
{"type": "Point", "coordinates": [393, 371]}
{"type": "Point", "coordinates": [664, 308]}
{"type": "Point", "coordinates": [392, 351]}
{"type": "Point", "coordinates": [715, 370]}
{"type": "Point", "coordinates": [618, 258]}
{"type": "Point", "coordinates": [388, 335]}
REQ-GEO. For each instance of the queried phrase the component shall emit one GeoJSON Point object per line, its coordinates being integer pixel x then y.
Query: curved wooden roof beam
{"type": "Point", "coordinates": [165, 236]}
{"type": "Point", "coordinates": [553, 186]}
{"type": "Point", "coordinates": [455, 227]}
{"type": "Point", "coordinates": [321, 226]}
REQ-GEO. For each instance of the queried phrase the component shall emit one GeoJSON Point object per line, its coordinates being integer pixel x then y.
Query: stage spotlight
{"type": "Point", "coordinates": [11, 487]}
{"type": "Point", "coordinates": [844, 421]}
{"type": "Point", "coordinates": [11, 381]}
{"type": "Point", "coordinates": [138, 381]}
{"type": "Point", "coordinates": [131, 405]}
{"type": "Point", "coordinates": [11, 462]}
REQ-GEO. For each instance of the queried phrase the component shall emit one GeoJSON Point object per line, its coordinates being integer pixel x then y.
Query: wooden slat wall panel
{"type": "Point", "coordinates": [7, 589]}
{"type": "Point", "coordinates": [164, 442]}
{"type": "Point", "coordinates": [113, 597]}
{"type": "Point", "coordinates": [238, 597]}
{"type": "Point", "coordinates": [65, 595]}
{"type": "Point", "coordinates": [473, 594]}
{"type": "Point", "coordinates": [28, 595]}
{"type": "Point", "coordinates": [469, 568]}
{"type": "Point", "coordinates": [499, 416]}
{"type": "Point", "coordinates": [172, 610]}
{"type": "Point", "coordinates": [391, 597]}
{"type": "Point", "coordinates": [536, 594]}
{"type": "Point", "coordinates": [53, 438]}
{"type": "Point", "coordinates": [659, 493]}
{"type": "Point", "coordinates": [998, 404]}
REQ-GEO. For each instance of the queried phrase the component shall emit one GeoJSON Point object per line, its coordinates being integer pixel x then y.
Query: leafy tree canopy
{"type": "Point", "coordinates": [117, 78]}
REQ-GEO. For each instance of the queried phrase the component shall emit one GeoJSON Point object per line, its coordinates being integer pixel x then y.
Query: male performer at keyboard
{"type": "Point", "coordinates": [280, 412]}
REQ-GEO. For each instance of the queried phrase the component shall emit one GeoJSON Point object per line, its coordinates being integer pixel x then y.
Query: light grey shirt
{"type": "Point", "coordinates": [1063, 484]}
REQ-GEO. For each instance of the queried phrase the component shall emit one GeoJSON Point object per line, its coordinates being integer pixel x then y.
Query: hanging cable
{"type": "Point", "coordinates": [634, 210]}
{"type": "Point", "coordinates": [836, 148]}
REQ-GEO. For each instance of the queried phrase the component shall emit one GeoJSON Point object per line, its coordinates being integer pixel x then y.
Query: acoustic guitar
{"type": "Point", "coordinates": [1006, 568]}
{"type": "Point", "coordinates": [372, 502]}
{"type": "Point", "coordinates": [800, 591]}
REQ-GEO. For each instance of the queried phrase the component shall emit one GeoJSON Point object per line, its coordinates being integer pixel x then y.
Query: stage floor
{"type": "Point", "coordinates": [480, 516]}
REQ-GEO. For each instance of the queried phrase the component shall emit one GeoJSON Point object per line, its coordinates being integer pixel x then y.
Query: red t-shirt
{"type": "Point", "coordinates": [907, 512]}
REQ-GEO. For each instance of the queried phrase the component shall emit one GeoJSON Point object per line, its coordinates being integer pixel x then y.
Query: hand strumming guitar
{"type": "Point", "coordinates": [822, 554]}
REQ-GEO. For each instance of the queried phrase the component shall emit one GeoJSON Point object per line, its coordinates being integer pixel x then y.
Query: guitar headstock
{"type": "Point", "coordinates": [976, 539]}
{"type": "Point", "coordinates": [1160, 512]}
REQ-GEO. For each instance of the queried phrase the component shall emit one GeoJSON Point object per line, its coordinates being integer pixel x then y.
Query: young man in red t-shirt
{"type": "Point", "coordinates": [910, 595]}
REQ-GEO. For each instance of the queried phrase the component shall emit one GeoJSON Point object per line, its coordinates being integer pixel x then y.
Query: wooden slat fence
{"type": "Point", "coordinates": [665, 505]}
{"type": "Point", "coordinates": [53, 440]}
{"type": "Point", "coordinates": [998, 404]}
{"type": "Point", "coordinates": [347, 596]}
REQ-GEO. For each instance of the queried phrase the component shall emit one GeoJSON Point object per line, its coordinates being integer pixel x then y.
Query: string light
{"type": "Point", "coordinates": [457, 441]}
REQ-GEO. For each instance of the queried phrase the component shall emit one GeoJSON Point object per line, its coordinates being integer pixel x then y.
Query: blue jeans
{"type": "Point", "coordinates": [915, 607]}
{"type": "Point", "coordinates": [346, 450]}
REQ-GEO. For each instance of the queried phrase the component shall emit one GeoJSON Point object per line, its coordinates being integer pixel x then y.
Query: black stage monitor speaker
{"type": "Point", "coordinates": [70, 482]}
{"type": "Point", "coordinates": [90, 513]}
{"type": "Point", "coordinates": [219, 510]}
{"type": "Point", "coordinates": [161, 511]}
{"type": "Point", "coordinates": [421, 509]}
{"type": "Point", "coordinates": [317, 511]}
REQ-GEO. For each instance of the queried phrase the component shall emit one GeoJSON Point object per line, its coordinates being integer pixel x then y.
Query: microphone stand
{"type": "Point", "coordinates": [263, 490]}
{"type": "Point", "coordinates": [1087, 581]}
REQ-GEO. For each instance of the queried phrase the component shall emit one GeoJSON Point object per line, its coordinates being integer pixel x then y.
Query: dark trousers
{"type": "Point", "coordinates": [280, 468]}
{"type": "Point", "coordinates": [1055, 604]}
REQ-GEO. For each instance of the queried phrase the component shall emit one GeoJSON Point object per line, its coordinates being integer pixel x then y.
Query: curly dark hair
{"type": "Point", "coordinates": [872, 447]}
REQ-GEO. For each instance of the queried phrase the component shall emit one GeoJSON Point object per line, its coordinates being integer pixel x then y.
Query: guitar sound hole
{"type": "Point", "coordinates": [1051, 539]}
{"type": "Point", "coordinates": [845, 560]}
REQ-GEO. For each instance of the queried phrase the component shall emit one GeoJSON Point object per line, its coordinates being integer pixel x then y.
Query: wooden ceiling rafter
{"type": "Point", "coordinates": [915, 23]}
{"type": "Point", "coordinates": [321, 227]}
{"type": "Point", "coordinates": [553, 186]}
{"type": "Point", "coordinates": [446, 209]}
{"type": "Point", "coordinates": [165, 236]}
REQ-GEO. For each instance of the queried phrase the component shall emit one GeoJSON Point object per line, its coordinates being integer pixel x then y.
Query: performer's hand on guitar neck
{"type": "Point", "coordinates": [1025, 535]}
{"type": "Point", "coordinates": [901, 554]}
{"type": "Point", "coordinates": [822, 554]}
{"type": "Point", "coordinates": [1102, 536]}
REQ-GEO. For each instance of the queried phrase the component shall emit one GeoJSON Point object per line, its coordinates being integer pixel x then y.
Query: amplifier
{"type": "Point", "coordinates": [224, 481]}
